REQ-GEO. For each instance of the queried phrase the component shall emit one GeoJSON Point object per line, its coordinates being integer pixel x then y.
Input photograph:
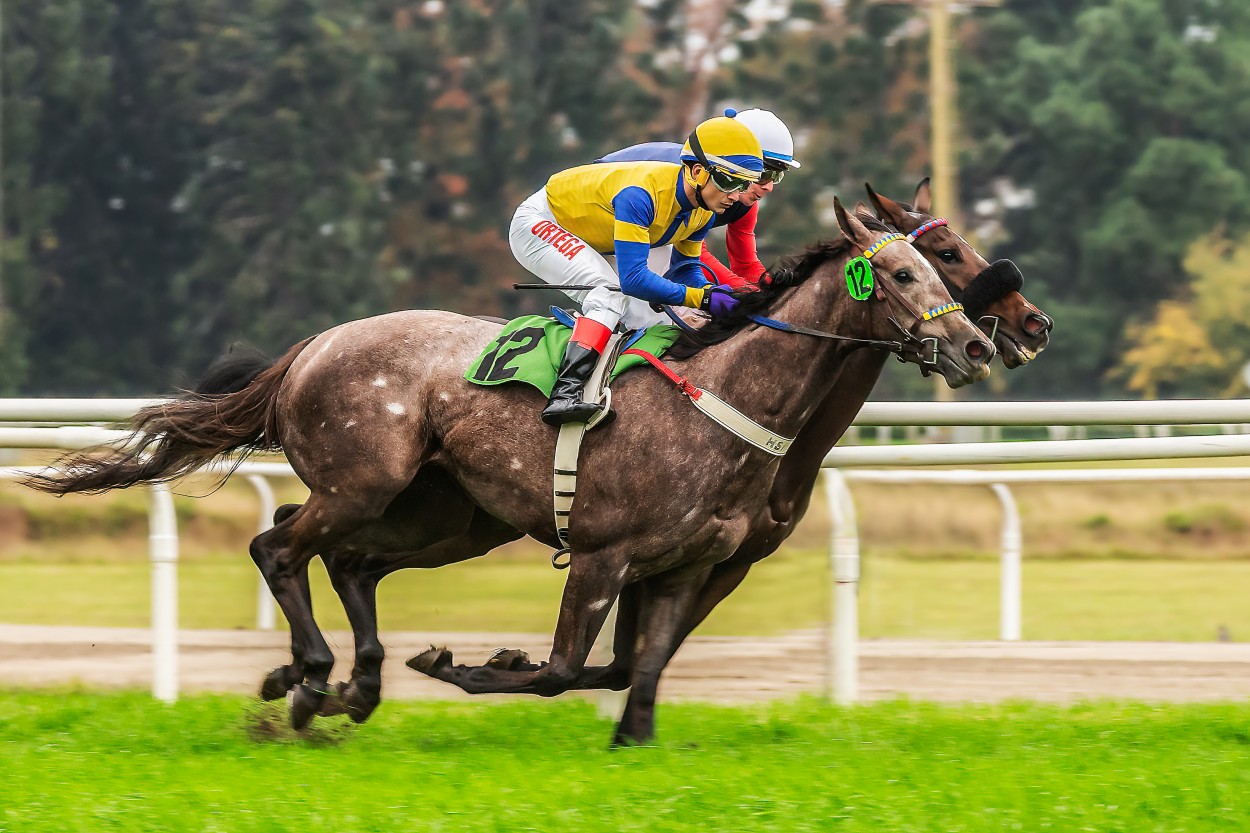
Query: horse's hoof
{"type": "Point", "coordinates": [275, 685]}
{"type": "Point", "coordinates": [334, 702]}
{"type": "Point", "coordinates": [305, 703]}
{"type": "Point", "coordinates": [360, 699]}
{"type": "Point", "coordinates": [431, 662]}
{"type": "Point", "coordinates": [510, 659]}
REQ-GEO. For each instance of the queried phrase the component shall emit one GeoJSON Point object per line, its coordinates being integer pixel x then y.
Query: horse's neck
{"type": "Point", "coordinates": [801, 466]}
{"type": "Point", "coordinates": [780, 378]}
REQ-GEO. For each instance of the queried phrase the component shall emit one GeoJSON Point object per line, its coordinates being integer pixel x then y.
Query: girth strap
{"type": "Point", "coordinates": [569, 445]}
{"type": "Point", "coordinates": [721, 412]}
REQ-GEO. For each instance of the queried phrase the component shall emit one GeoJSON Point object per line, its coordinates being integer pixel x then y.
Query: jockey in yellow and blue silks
{"type": "Point", "coordinates": [571, 230]}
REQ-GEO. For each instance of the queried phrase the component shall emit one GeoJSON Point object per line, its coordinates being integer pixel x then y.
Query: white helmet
{"type": "Point", "coordinates": [774, 137]}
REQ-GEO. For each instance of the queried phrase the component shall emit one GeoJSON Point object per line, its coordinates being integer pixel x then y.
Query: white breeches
{"type": "Point", "coordinates": [559, 257]}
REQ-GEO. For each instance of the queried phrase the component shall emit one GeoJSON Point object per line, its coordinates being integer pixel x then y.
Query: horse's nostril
{"type": "Point", "coordinates": [1035, 324]}
{"type": "Point", "coordinates": [977, 350]}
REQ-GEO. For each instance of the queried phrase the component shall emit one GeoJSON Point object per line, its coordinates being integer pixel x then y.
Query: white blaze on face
{"type": "Point", "coordinates": [395, 408]}
{"type": "Point", "coordinates": [379, 382]}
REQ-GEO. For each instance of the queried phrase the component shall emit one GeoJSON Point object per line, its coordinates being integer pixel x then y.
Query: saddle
{"type": "Point", "coordinates": [528, 350]}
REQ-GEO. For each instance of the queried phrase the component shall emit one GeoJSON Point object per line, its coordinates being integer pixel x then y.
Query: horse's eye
{"type": "Point", "coordinates": [903, 276]}
{"type": "Point", "coordinates": [948, 255]}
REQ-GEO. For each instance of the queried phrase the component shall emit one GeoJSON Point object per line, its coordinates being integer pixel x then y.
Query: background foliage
{"type": "Point", "coordinates": [182, 175]}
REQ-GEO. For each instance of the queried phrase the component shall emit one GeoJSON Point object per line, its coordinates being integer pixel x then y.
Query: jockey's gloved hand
{"type": "Point", "coordinates": [718, 301]}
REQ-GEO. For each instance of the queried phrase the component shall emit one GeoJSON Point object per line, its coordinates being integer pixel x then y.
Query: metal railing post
{"type": "Point", "coordinates": [843, 641]}
{"type": "Point", "coordinates": [265, 619]}
{"type": "Point", "coordinates": [1011, 581]}
{"type": "Point", "coordinates": [163, 553]}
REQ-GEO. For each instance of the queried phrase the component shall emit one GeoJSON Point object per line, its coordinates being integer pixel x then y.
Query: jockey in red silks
{"type": "Point", "coordinates": [745, 270]}
{"type": "Point", "coordinates": [572, 230]}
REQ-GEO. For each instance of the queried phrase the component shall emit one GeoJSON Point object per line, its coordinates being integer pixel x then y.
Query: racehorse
{"type": "Point", "coordinates": [377, 420]}
{"type": "Point", "coordinates": [1019, 326]}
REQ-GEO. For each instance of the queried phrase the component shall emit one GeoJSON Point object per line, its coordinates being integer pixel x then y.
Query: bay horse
{"type": "Point", "coordinates": [990, 293]}
{"type": "Point", "coordinates": [377, 420]}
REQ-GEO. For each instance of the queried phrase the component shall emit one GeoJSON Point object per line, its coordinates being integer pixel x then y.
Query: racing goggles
{"type": "Point", "coordinates": [728, 183]}
{"type": "Point", "coordinates": [772, 174]}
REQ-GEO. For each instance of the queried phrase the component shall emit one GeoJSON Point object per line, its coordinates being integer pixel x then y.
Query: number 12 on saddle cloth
{"type": "Point", "coordinates": [529, 350]}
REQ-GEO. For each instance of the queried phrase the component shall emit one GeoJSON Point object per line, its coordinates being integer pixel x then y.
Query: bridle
{"type": "Point", "coordinates": [910, 347]}
{"type": "Point", "coordinates": [986, 286]}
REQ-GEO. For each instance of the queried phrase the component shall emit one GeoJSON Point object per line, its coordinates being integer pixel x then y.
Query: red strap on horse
{"type": "Point", "coordinates": [686, 388]}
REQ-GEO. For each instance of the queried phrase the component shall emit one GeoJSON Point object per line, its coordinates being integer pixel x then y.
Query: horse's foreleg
{"type": "Point", "coordinates": [665, 609]}
{"type": "Point", "coordinates": [594, 581]}
{"type": "Point", "coordinates": [615, 675]}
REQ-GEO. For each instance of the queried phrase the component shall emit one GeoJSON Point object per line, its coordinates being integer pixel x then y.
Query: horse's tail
{"type": "Point", "coordinates": [232, 409]}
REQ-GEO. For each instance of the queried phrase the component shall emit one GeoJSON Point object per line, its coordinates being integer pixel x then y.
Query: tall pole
{"type": "Point", "coordinates": [942, 122]}
{"type": "Point", "coordinates": [941, 129]}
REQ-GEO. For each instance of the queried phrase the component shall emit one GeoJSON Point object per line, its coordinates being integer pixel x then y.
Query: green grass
{"type": "Point", "coordinates": [122, 762]}
{"type": "Point", "coordinates": [899, 597]}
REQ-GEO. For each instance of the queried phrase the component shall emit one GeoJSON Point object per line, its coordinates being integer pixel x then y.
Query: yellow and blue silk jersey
{"type": "Point", "coordinates": [627, 208]}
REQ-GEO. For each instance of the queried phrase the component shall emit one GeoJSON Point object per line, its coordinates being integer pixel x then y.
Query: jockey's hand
{"type": "Point", "coordinates": [718, 301]}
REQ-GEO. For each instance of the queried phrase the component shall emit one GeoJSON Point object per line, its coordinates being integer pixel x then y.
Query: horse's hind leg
{"type": "Point", "coordinates": [282, 554]}
{"type": "Point", "coordinates": [355, 579]}
{"type": "Point", "coordinates": [285, 677]}
{"type": "Point", "coordinates": [359, 696]}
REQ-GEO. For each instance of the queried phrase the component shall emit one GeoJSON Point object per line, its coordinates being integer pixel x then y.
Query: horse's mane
{"type": "Point", "coordinates": [791, 271]}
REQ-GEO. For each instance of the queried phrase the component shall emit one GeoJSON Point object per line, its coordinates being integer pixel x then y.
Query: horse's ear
{"type": "Point", "coordinates": [887, 209]}
{"type": "Point", "coordinates": [862, 210]}
{"type": "Point", "coordinates": [852, 228]}
{"type": "Point", "coordinates": [924, 197]}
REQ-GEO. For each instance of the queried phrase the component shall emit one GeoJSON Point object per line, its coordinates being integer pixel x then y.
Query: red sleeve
{"type": "Point", "coordinates": [723, 275]}
{"type": "Point", "coordinates": [744, 259]}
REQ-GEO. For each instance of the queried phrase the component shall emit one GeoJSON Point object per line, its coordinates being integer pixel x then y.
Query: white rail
{"type": "Point", "coordinates": [845, 539]}
{"type": "Point", "coordinates": [845, 544]}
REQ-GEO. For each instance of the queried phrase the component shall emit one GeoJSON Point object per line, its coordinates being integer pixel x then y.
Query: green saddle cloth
{"type": "Point", "coordinates": [530, 349]}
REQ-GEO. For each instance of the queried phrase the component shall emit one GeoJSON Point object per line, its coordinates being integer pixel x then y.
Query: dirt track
{"type": "Point", "coordinates": [727, 669]}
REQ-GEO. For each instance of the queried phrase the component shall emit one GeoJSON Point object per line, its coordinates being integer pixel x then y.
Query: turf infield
{"type": "Point", "coordinates": [76, 761]}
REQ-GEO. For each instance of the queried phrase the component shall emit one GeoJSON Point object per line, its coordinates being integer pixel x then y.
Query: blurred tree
{"type": "Point", "coordinates": [1115, 129]}
{"type": "Point", "coordinates": [1170, 354]}
{"type": "Point", "coordinates": [1197, 344]}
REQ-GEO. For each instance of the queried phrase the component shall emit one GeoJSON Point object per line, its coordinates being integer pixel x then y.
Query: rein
{"type": "Point", "coordinates": [924, 349]}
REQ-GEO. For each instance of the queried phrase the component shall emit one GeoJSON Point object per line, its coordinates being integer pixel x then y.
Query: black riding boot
{"type": "Point", "coordinates": [566, 403]}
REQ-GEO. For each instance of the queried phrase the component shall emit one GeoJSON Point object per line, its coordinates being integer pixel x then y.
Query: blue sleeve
{"type": "Point", "coordinates": [635, 211]}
